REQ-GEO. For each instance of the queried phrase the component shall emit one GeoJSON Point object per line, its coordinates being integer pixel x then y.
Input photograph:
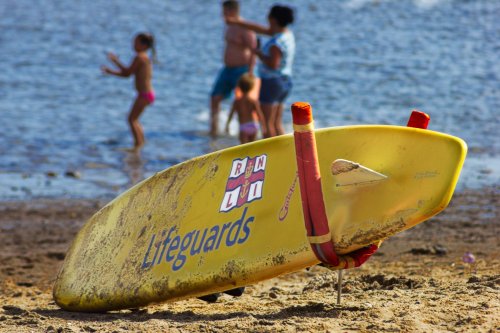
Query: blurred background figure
{"type": "Point", "coordinates": [142, 69]}
{"type": "Point", "coordinates": [238, 60]}
{"type": "Point", "coordinates": [248, 110]}
{"type": "Point", "coordinates": [276, 61]}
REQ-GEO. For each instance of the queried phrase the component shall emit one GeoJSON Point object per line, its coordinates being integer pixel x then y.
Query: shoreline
{"type": "Point", "coordinates": [417, 282]}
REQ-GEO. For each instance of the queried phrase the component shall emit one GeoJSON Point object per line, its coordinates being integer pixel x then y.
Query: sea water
{"type": "Point", "coordinates": [63, 123]}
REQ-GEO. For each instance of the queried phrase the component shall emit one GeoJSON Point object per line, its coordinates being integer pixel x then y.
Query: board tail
{"type": "Point", "coordinates": [316, 221]}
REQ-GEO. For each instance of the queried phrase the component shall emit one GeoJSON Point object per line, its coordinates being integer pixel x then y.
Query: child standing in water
{"type": "Point", "coordinates": [248, 110]}
{"type": "Point", "coordinates": [141, 67]}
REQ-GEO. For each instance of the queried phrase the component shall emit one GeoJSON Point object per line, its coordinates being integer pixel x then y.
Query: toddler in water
{"type": "Point", "coordinates": [248, 110]}
{"type": "Point", "coordinates": [142, 69]}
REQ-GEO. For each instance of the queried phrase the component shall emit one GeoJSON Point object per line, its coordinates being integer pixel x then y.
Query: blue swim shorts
{"type": "Point", "coordinates": [275, 90]}
{"type": "Point", "coordinates": [227, 80]}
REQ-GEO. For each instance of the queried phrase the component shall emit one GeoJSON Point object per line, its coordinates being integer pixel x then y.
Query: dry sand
{"type": "Point", "coordinates": [416, 283]}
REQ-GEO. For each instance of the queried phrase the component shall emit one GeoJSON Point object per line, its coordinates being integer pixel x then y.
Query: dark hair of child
{"type": "Point", "coordinates": [231, 4]}
{"type": "Point", "coordinates": [149, 41]}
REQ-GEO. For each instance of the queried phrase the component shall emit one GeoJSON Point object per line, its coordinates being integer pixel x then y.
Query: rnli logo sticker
{"type": "Point", "coordinates": [245, 182]}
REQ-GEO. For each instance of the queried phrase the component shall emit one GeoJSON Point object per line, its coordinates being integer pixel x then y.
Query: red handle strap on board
{"type": "Point", "coordinates": [316, 221]}
{"type": "Point", "coordinates": [355, 258]}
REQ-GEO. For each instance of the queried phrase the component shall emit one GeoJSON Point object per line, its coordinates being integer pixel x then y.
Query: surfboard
{"type": "Point", "coordinates": [235, 217]}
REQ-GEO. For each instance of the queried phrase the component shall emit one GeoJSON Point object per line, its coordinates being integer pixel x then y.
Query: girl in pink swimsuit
{"type": "Point", "coordinates": [248, 110]}
{"type": "Point", "coordinates": [141, 68]}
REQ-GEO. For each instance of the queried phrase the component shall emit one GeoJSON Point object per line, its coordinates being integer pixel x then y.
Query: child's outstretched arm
{"type": "Point", "coordinates": [114, 59]}
{"type": "Point", "coordinates": [123, 71]}
{"type": "Point", "coordinates": [233, 109]}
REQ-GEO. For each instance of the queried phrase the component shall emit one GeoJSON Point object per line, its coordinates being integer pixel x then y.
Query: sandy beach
{"type": "Point", "coordinates": [65, 134]}
{"type": "Point", "coordinates": [417, 282]}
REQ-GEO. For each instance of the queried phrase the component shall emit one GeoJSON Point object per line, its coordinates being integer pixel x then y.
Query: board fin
{"type": "Point", "coordinates": [348, 173]}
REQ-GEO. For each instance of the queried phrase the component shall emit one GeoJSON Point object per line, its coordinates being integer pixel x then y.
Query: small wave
{"type": "Point", "coordinates": [427, 4]}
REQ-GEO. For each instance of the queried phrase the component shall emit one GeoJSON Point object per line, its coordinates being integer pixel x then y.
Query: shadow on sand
{"type": "Point", "coordinates": [311, 310]}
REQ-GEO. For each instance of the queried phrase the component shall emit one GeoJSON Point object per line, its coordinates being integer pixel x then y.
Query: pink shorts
{"type": "Point", "coordinates": [148, 96]}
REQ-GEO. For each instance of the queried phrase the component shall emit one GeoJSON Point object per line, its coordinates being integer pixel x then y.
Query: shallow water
{"type": "Point", "coordinates": [358, 62]}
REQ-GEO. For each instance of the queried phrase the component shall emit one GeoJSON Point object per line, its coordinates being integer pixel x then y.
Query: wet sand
{"type": "Point", "coordinates": [416, 283]}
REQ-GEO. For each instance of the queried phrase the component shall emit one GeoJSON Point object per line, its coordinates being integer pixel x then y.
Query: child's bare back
{"type": "Point", "coordinates": [246, 107]}
{"type": "Point", "coordinates": [249, 112]}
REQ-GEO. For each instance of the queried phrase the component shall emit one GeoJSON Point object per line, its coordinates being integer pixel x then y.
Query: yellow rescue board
{"type": "Point", "coordinates": [234, 217]}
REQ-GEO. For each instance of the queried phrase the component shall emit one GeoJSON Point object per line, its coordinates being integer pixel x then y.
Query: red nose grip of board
{"type": "Point", "coordinates": [316, 221]}
{"type": "Point", "coordinates": [302, 113]}
{"type": "Point", "coordinates": [418, 119]}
